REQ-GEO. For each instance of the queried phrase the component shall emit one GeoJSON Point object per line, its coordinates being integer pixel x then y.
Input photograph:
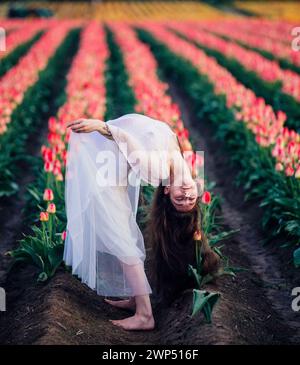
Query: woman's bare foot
{"type": "Point", "coordinates": [123, 304]}
{"type": "Point", "coordinates": [136, 322]}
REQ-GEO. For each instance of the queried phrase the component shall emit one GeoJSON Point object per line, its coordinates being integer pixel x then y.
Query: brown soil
{"type": "Point", "coordinates": [255, 307]}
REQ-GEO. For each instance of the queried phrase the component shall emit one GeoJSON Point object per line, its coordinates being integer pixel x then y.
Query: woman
{"type": "Point", "coordinates": [107, 162]}
{"type": "Point", "coordinates": [173, 246]}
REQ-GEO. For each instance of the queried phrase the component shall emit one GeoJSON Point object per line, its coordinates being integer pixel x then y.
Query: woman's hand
{"type": "Point", "coordinates": [90, 125]}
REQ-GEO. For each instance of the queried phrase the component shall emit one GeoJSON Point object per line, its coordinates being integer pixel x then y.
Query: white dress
{"type": "Point", "coordinates": [104, 244]}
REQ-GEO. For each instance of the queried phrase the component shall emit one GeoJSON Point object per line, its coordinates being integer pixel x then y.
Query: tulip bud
{"type": "Point", "coordinates": [48, 195]}
{"type": "Point", "coordinates": [44, 216]}
{"type": "Point", "coordinates": [206, 197]}
{"type": "Point", "coordinates": [51, 208]}
{"type": "Point", "coordinates": [48, 166]}
{"type": "Point", "coordinates": [59, 177]}
{"type": "Point", "coordinates": [197, 235]}
{"type": "Point", "coordinates": [289, 171]}
{"type": "Point", "coordinates": [64, 235]}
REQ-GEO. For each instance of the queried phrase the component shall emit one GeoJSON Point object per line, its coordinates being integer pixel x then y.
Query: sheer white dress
{"type": "Point", "coordinates": [104, 244]}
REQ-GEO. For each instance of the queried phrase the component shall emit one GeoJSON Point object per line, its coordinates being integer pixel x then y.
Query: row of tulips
{"type": "Point", "coordinates": [278, 31]}
{"type": "Point", "coordinates": [245, 125]}
{"type": "Point", "coordinates": [15, 83]}
{"type": "Point", "coordinates": [238, 32]}
{"type": "Point", "coordinates": [85, 97]}
{"type": "Point", "coordinates": [12, 55]}
{"type": "Point", "coordinates": [16, 37]}
{"type": "Point", "coordinates": [267, 126]}
{"type": "Point", "coordinates": [12, 24]}
{"type": "Point", "coordinates": [150, 92]}
{"type": "Point", "coordinates": [152, 99]}
{"type": "Point", "coordinates": [267, 70]}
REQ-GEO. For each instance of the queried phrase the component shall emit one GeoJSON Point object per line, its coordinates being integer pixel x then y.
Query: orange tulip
{"type": "Point", "coordinates": [197, 235]}
{"type": "Point", "coordinates": [44, 216]}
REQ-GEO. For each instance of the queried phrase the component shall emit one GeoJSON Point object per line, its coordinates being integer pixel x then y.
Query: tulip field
{"type": "Point", "coordinates": [227, 85]}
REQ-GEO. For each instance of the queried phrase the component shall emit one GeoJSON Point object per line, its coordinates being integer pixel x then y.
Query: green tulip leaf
{"type": "Point", "coordinates": [297, 257]}
{"type": "Point", "coordinates": [204, 301]}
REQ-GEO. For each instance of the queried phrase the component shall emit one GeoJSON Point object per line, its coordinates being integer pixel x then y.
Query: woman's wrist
{"type": "Point", "coordinates": [104, 130]}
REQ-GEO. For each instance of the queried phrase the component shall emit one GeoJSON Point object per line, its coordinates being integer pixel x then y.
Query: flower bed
{"type": "Point", "coordinates": [243, 32]}
{"type": "Point", "coordinates": [271, 92]}
{"type": "Point", "coordinates": [268, 70]}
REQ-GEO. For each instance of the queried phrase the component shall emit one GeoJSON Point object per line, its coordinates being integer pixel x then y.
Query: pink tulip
{"type": "Point", "coordinates": [51, 208]}
{"type": "Point", "coordinates": [279, 166]}
{"type": "Point", "coordinates": [289, 171]}
{"type": "Point", "coordinates": [48, 195]}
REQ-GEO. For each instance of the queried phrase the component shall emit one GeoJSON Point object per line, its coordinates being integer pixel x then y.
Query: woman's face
{"type": "Point", "coordinates": [183, 197]}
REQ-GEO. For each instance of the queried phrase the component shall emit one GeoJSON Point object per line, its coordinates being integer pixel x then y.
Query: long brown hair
{"type": "Point", "coordinates": [170, 234]}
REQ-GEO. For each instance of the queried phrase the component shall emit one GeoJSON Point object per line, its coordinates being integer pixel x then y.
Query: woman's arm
{"type": "Point", "coordinates": [90, 125]}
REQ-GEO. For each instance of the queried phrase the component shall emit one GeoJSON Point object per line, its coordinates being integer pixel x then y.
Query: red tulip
{"type": "Point", "coordinates": [206, 197]}
{"type": "Point", "coordinates": [48, 166]}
